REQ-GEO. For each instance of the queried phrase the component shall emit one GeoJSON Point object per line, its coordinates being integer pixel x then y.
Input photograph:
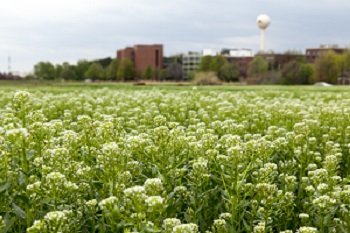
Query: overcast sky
{"type": "Point", "coordinates": [62, 30]}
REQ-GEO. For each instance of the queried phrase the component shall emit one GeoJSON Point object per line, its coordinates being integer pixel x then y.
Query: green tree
{"type": "Point", "coordinates": [58, 70]}
{"type": "Point", "coordinates": [95, 71]}
{"type": "Point", "coordinates": [296, 72]}
{"type": "Point", "coordinates": [205, 63]}
{"type": "Point", "coordinates": [148, 73]}
{"type": "Point", "coordinates": [258, 66]}
{"type": "Point", "coordinates": [112, 69]}
{"type": "Point", "coordinates": [229, 72]}
{"type": "Point", "coordinates": [81, 68]}
{"type": "Point", "coordinates": [126, 70]}
{"type": "Point", "coordinates": [344, 61]}
{"type": "Point", "coordinates": [45, 70]}
{"type": "Point", "coordinates": [68, 72]}
{"type": "Point", "coordinates": [217, 63]}
{"type": "Point", "coordinates": [327, 68]}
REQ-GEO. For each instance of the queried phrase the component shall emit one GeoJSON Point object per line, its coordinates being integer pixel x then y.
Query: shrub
{"type": "Point", "coordinates": [206, 78]}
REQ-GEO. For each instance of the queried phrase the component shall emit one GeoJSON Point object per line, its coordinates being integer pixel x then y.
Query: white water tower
{"type": "Point", "coordinates": [263, 22]}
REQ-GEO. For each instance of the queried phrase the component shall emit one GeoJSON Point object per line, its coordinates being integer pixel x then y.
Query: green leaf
{"type": "Point", "coordinates": [5, 187]}
{"type": "Point", "coordinates": [18, 211]}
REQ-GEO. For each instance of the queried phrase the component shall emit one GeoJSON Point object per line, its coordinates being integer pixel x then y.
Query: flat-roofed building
{"type": "Point", "coordinates": [241, 57]}
{"type": "Point", "coordinates": [190, 63]}
{"type": "Point", "coordinates": [143, 57]}
{"type": "Point", "coordinates": [313, 53]}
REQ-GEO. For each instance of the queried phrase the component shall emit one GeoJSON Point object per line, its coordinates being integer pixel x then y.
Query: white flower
{"type": "Point", "coordinates": [2, 222]}
{"type": "Point", "coordinates": [186, 228]}
{"type": "Point", "coordinates": [303, 215]}
{"type": "Point", "coordinates": [57, 216]}
{"type": "Point", "coordinates": [307, 230]}
{"type": "Point", "coordinates": [324, 201]}
{"type": "Point", "coordinates": [219, 225]}
{"type": "Point", "coordinates": [260, 228]}
{"type": "Point", "coordinates": [136, 192]}
{"type": "Point", "coordinates": [153, 186]}
{"type": "Point", "coordinates": [108, 203]}
{"type": "Point", "coordinates": [54, 177]}
{"type": "Point", "coordinates": [226, 216]}
{"type": "Point", "coordinates": [20, 97]}
{"type": "Point", "coordinates": [170, 223]}
{"type": "Point", "coordinates": [154, 201]}
{"type": "Point", "coordinates": [91, 203]}
{"type": "Point", "coordinates": [19, 132]}
{"type": "Point", "coordinates": [38, 226]}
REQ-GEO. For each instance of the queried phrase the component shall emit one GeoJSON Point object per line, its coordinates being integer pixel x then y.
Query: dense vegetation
{"type": "Point", "coordinates": [293, 69]}
{"type": "Point", "coordinates": [174, 161]}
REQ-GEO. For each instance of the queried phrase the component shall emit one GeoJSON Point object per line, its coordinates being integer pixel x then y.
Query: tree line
{"type": "Point", "coordinates": [327, 68]}
{"type": "Point", "coordinates": [104, 69]}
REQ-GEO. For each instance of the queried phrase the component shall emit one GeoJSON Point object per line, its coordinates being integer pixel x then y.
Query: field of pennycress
{"type": "Point", "coordinates": [174, 161]}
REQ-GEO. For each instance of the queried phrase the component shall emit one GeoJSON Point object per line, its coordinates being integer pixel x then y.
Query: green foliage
{"type": "Point", "coordinates": [258, 66]}
{"type": "Point", "coordinates": [58, 70]}
{"type": "Point", "coordinates": [67, 72]}
{"type": "Point", "coordinates": [344, 61]}
{"type": "Point", "coordinates": [217, 63]}
{"type": "Point", "coordinates": [297, 72]}
{"type": "Point", "coordinates": [148, 73]}
{"type": "Point", "coordinates": [95, 71]}
{"type": "Point", "coordinates": [212, 63]}
{"type": "Point", "coordinates": [126, 70]}
{"type": "Point", "coordinates": [195, 160]}
{"type": "Point", "coordinates": [229, 72]}
{"type": "Point", "coordinates": [224, 70]}
{"type": "Point", "coordinates": [206, 78]}
{"type": "Point", "coordinates": [45, 70]}
{"type": "Point", "coordinates": [112, 70]}
{"type": "Point", "coordinates": [205, 63]}
{"type": "Point", "coordinates": [81, 68]}
{"type": "Point", "coordinates": [327, 68]}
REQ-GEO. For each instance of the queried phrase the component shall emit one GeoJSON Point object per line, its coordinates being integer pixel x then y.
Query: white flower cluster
{"type": "Point", "coordinates": [154, 201]}
{"type": "Point", "coordinates": [107, 204]}
{"type": "Point", "coordinates": [225, 160]}
{"type": "Point", "coordinates": [260, 228]}
{"type": "Point", "coordinates": [153, 186]}
{"type": "Point", "coordinates": [186, 228]}
{"type": "Point", "coordinates": [307, 230]}
{"type": "Point", "coordinates": [2, 223]}
{"type": "Point", "coordinates": [169, 224]}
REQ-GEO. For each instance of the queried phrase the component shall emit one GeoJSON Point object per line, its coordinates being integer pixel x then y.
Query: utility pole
{"type": "Point", "coordinates": [9, 68]}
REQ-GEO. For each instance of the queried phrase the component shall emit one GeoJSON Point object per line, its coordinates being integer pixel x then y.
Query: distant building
{"type": "Point", "coordinates": [344, 78]}
{"type": "Point", "coordinates": [313, 53]}
{"type": "Point", "coordinates": [278, 60]}
{"type": "Point", "coordinates": [241, 57]}
{"type": "Point", "coordinates": [143, 56]}
{"type": "Point", "coordinates": [242, 63]}
{"type": "Point", "coordinates": [210, 52]}
{"type": "Point", "coordinates": [190, 63]}
{"type": "Point", "coordinates": [237, 52]}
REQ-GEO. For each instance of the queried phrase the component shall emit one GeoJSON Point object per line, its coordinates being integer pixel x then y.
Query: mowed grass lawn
{"type": "Point", "coordinates": [114, 157]}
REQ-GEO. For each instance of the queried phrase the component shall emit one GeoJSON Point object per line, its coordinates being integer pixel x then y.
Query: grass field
{"type": "Point", "coordinates": [113, 157]}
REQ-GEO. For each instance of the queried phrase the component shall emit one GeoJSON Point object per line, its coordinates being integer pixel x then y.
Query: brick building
{"type": "Point", "coordinates": [241, 57]}
{"type": "Point", "coordinates": [143, 56]}
{"type": "Point", "coordinates": [278, 60]}
{"type": "Point", "coordinates": [313, 53]}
